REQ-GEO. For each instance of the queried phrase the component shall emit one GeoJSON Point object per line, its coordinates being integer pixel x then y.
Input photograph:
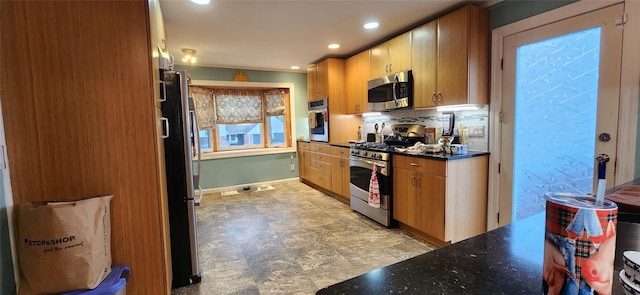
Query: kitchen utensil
{"type": "Point", "coordinates": [602, 175]}
{"type": "Point", "coordinates": [382, 129]}
{"type": "Point", "coordinates": [375, 127]}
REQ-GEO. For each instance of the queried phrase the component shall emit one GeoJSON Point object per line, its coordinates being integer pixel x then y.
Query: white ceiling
{"type": "Point", "coordinates": [275, 35]}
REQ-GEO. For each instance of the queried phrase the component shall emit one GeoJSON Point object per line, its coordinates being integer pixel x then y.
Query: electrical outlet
{"type": "Point", "coordinates": [476, 131]}
{"type": "Point", "coordinates": [293, 167]}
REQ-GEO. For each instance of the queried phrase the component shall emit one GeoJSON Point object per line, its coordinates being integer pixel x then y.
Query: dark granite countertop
{"type": "Point", "coordinates": [507, 260]}
{"type": "Point", "coordinates": [443, 156]}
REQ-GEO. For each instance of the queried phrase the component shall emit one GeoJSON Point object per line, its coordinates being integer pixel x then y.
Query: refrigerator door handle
{"type": "Point", "coordinates": [197, 149]}
{"type": "Point", "coordinates": [163, 91]}
{"type": "Point", "coordinates": [193, 234]}
{"type": "Point", "coordinates": [165, 129]}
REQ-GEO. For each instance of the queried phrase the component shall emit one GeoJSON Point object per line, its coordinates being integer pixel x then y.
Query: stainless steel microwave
{"type": "Point", "coordinates": [390, 92]}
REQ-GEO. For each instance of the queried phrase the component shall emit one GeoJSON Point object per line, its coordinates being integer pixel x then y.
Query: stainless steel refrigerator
{"type": "Point", "coordinates": [181, 145]}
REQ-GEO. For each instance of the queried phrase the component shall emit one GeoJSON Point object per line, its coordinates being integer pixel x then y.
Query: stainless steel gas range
{"type": "Point", "coordinates": [361, 160]}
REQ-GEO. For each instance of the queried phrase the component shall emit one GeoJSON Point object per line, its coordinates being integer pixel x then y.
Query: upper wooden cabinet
{"type": "Point", "coordinates": [391, 57]}
{"type": "Point", "coordinates": [451, 59]}
{"type": "Point", "coordinates": [357, 76]}
{"type": "Point", "coordinates": [326, 80]}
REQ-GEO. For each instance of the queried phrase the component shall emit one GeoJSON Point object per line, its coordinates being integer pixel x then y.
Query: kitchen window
{"type": "Point", "coordinates": [242, 118]}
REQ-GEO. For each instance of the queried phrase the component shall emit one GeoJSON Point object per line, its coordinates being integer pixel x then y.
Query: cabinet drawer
{"type": "Point", "coordinates": [435, 167]}
{"type": "Point", "coordinates": [339, 151]}
{"type": "Point", "coordinates": [322, 148]}
{"type": "Point", "coordinates": [303, 145]}
{"type": "Point", "coordinates": [321, 157]}
{"type": "Point", "coordinates": [429, 166]}
{"type": "Point", "coordinates": [409, 163]}
{"type": "Point", "coordinates": [320, 165]}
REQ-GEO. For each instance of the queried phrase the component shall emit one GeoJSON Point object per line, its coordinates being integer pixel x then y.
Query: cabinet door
{"type": "Point", "coordinates": [337, 184]}
{"type": "Point", "coordinates": [424, 56]}
{"type": "Point", "coordinates": [303, 163]}
{"type": "Point", "coordinates": [346, 175]}
{"type": "Point", "coordinates": [400, 53]}
{"type": "Point", "coordinates": [312, 86]}
{"type": "Point", "coordinates": [453, 53]}
{"type": "Point", "coordinates": [379, 61]}
{"type": "Point", "coordinates": [430, 205]}
{"type": "Point", "coordinates": [322, 79]}
{"type": "Point", "coordinates": [351, 83]}
{"type": "Point", "coordinates": [357, 76]}
{"type": "Point", "coordinates": [404, 196]}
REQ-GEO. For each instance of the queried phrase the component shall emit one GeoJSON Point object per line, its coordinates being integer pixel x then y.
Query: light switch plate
{"type": "Point", "coordinates": [476, 131]}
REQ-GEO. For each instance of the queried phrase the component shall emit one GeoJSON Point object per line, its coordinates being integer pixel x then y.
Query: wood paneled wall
{"type": "Point", "coordinates": [77, 99]}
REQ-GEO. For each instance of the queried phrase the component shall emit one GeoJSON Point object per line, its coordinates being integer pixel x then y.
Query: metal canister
{"type": "Point", "coordinates": [579, 250]}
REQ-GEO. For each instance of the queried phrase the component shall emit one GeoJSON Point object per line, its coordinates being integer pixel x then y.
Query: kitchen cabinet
{"type": "Point", "coordinates": [98, 116]}
{"type": "Point", "coordinates": [356, 76]}
{"type": "Point", "coordinates": [158, 32]}
{"type": "Point", "coordinates": [391, 56]}
{"type": "Point", "coordinates": [304, 160]}
{"type": "Point", "coordinates": [444, 199]}
{"type": "Point", "coordinates": [326, 79]}
{"type": "Point", "coordinates": [340, 171]}
{"type": "Point", "coordinates": [320, 165]}
{"type": "Point", "coordinates": [451, 59]}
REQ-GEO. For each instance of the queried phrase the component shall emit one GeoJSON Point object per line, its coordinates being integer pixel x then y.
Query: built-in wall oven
{"type": "Point", "coordinates": [318, 120]}
{"type": "Point", "coordinates": [361, 160]}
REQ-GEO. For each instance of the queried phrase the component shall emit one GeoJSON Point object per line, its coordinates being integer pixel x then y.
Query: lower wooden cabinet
{"type": "Point", "coordinates": [325, 166]}
{"type": "Point", "coordinates": [444, 199]}
{"type": "Point", "coordinates": [304, 160]}
{"type": "Point", "coordinates": [340, 171]}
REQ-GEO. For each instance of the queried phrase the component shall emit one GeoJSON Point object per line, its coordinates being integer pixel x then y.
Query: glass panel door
{"type": "Point", "coordinates": [561, 90]}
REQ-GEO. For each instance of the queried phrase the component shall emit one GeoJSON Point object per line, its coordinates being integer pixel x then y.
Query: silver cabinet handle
{"type": "Point", "coordinates": [433, 98]}
{"type": "Point", "coordinates": [417, 182]}
{"type": "Point", "coordinates": [414, 164]}
{"type": "Point", "coordinates": [413, 180]}
{"type": "Point", "coordinates": [163, 91]}
{"type": "Point", "coordinates": [440, 97]}
{"type": "Point", "coordinates": [165, 128]}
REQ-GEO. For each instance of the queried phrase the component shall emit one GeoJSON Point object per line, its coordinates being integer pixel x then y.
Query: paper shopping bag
{"type": "Point", "coordinates": [64, 246]}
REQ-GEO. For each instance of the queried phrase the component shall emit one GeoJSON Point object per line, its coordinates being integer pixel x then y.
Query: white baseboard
{"type": "Point", "coordinates": [240, 186]}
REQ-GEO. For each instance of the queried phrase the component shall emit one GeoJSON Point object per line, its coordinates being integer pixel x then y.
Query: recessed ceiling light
{"type": "Point", "coordinates": [334, 46]}
{"type": "Point", "coordinates": [371, 25]}
{"type": "Point", "coordinates": [295, 67]}
{"type": "Point", "coordinates": [201, 2]}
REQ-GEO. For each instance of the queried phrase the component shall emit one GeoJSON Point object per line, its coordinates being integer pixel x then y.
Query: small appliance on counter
{"type": "Point", "coordinates": [449, 128]}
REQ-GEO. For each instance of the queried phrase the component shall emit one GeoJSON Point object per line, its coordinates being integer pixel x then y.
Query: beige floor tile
{"type": "Point", "coordinates": [289, 240]}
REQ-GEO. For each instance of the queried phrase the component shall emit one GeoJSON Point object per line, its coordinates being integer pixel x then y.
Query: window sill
{"type": "Point", "coordinates": [246, 153]}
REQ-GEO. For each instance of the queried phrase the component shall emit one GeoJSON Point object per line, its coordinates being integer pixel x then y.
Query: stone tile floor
{"type": "Point", "coordinates": [289, 240]}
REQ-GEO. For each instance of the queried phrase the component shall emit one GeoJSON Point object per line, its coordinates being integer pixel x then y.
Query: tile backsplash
{"type": "Point", "coordinates": [477, 122]}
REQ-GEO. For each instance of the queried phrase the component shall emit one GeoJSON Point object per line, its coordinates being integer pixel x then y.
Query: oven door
{"type": "Point", "coordinates": [319, 125]}
{"type": "Point", "coordinates": [360, 170]}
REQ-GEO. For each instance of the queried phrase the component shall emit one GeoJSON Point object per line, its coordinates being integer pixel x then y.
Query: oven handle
{"type": "Point", "coordinates": [367, 164]}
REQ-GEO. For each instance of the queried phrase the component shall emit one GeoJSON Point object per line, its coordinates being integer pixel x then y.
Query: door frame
{"type": "Point", "coordinates": [629, 91]}
{"type": "Point", "coordinates": [7, 194]}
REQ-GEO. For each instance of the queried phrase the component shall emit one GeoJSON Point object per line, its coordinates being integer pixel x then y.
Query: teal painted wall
{"type": "Point", "coordinates": [242, 170]}
{"type": "Point", "coordinates": [7, 282]}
